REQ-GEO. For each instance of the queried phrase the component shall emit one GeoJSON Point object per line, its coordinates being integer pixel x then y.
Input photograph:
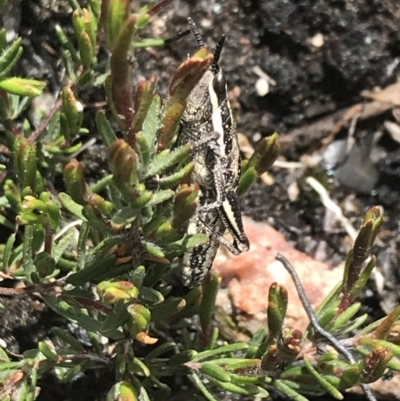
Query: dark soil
{"type": "Point", "coordinates": [360, 51]}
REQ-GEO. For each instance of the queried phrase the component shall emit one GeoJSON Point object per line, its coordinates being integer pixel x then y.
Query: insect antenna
{"type": "Point", "coordinates": [196, 33]}
{"type": "Point", "coordinates": [217, 54]}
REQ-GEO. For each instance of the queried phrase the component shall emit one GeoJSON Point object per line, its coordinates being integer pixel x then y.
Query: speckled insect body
{"type": "Point", "coordinates": [208, 124]}
{"type": "Point", "coordinates": [196, 263]}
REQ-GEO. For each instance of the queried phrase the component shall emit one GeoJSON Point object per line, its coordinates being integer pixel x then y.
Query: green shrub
{"type": "Point", "coordinates": [99, 253]}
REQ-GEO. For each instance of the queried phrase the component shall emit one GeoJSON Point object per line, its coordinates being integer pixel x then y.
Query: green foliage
{"type": "Point", "coordinates": [100, 254]}
{"type": "Point", "coordinates": [15, 85]}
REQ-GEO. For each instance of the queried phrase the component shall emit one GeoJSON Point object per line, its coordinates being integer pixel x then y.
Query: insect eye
{"type": "Point", "coordinates": [219, 83]}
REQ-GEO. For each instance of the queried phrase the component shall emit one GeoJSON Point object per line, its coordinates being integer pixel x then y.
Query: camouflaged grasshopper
{"type": "Point", "coordinates": [208, 124]}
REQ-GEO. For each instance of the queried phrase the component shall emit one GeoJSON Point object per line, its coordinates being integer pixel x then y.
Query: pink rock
{"type": "Point", "coordinates": [247, 277]}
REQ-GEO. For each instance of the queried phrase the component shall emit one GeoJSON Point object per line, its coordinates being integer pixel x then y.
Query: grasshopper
{"type": "Point", "coordinates": [208, 124]}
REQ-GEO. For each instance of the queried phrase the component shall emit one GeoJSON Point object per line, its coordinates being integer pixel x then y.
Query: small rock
{"type": "Point", "coordinates": [262, 87]}
{"type": "Point", "coordinates": [248, 276]}
{"type": "Point", "coordinates": [317, 40]}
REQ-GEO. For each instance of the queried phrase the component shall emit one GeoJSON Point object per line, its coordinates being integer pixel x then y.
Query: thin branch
{"type": "Point", "coordinates": [160, 6]}
{"type": "Point", "coordinates": [314, 321]}
{"type": "Point", "coordinates": [175, 38]}
{"type": "Point", "coordinates": [42, 288]}
{"type": "Point", "coordinates": [48, 238]}
{"type": "Point", "coordinates": [39, 131]}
